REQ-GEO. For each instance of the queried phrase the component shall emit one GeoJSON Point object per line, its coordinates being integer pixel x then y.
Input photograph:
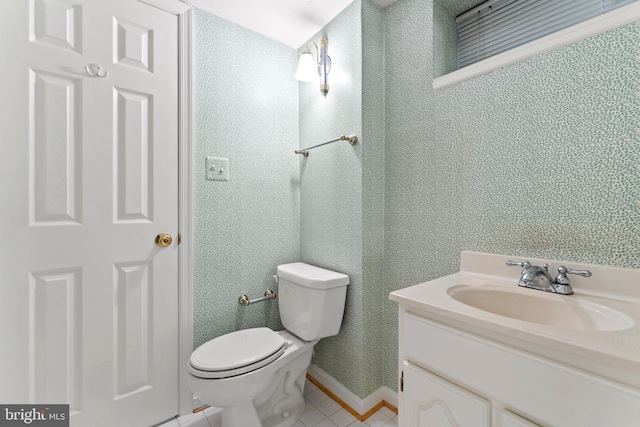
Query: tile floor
{"type": "Point", "coordinates": [320, 411]}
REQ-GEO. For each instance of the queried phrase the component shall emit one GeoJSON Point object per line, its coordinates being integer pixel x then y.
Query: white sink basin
{"type": "Point", "coordinates": [597, 329]}
{"type": "Point", "coordinates": [560, 311]}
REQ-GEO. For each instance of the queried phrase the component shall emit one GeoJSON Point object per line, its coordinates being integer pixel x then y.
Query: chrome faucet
{"type": "Point", "coordinates": [536, 277]}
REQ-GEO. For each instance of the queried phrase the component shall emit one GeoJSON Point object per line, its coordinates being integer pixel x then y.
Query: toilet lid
{"type": "Point", "coordinates": [244, 348]}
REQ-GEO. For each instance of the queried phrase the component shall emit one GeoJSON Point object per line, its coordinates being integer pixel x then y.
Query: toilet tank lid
{"type": "Point", "coordinates": [311, 276]}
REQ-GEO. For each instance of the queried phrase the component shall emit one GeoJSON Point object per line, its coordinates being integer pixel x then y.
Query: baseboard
{"type": "Point", "coordinates": [358, 407]}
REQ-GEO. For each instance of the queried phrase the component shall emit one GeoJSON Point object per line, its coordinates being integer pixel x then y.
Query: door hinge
{"type": "Point", "coordinates": [402, 381]}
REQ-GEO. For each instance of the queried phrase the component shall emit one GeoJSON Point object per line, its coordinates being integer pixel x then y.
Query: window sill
{"type": "Point", "coordinates": [609, 21]}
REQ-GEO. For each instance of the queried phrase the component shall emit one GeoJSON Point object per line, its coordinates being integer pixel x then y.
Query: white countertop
{"type": "Point", "coordinates": [614, 354]}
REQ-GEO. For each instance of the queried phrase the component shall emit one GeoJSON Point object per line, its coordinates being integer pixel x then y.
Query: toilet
{"type": "Point", "coordinates": [256, 376]}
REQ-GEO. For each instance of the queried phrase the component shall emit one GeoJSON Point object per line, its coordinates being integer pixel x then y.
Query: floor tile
{"type": "Point", "coordinates": [391, 423]}
{"type": "Point", "coordinates": [317, 397]}
{"type": "Point", "coordinates": [213, 415]}
{"type": "Point", "coordinates": [386, 411]}
{"type": "Point", "coordinates": [311, 417]}
{"type": "Point", "coordinates": [325, 423]}
{"type": "Point", "coordinates": [307, 405]}
{"type": "Point", "coordinates": [194, 420]}
{"type": "Point", "coordinates": [309, 386]}
{"type": "Point", "coordinates": [329, 407]}
{"type": "Point", "coordinates": [342, 418]}
{"type": "Point", "coordinates": [171, 423]}
{"type": "Point", "coordinates": [319, 411]}
{"type": "Point", "coordinates": [378, 419]}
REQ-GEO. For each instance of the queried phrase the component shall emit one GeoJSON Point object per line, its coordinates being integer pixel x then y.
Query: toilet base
{"type": "Point", "coordinates": [242, 415]}
{"type": "Point", "coordinates": [281, 404]}
{"type": "Point", "coordinates": [275, 391]}
{"type": "Point", "coordinates": [283, 400]}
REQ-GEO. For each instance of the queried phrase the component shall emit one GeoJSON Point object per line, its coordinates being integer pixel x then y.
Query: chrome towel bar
{"type": "Point", "coordinates": [352, 139]}
{"type": "Point", "coordinates": [268, 294]}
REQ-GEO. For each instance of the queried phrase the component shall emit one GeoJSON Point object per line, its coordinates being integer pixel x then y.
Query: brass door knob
{"type": "Point", "coordinates": [163, 240]}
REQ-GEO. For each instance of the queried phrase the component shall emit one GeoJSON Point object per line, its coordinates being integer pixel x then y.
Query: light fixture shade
{"type": "Point", "coordinates": [307, 68]}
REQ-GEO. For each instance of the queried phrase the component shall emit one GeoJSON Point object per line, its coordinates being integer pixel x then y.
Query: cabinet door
{"type": "Point", "coordinates": [509, 419]}
{"type": "Point", "coordinates": [432, 401]}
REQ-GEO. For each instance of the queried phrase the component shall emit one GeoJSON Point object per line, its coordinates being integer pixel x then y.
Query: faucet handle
{"type": "Point", "coordinates": [562, 278]}
{"type": "Point", "coordinates": [524, 264]}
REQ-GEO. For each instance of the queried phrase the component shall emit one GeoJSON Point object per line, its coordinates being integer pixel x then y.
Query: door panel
{"type": "Point", "coordinates": [57, 23]}
{"type": "Point", "coordinates": [56, 333]}
{"type": "Point", "coordinates": [134, 148]}
{"type": "Point", "coordinates": [133, 340]}
{"type": "Point", "coordinates": [88, 302]}
{"type": "Point", "coordinates": [56, 148]}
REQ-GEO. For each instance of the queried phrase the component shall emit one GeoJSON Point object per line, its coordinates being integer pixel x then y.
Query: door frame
{"type": "Point", "coordinates": [184, 14]}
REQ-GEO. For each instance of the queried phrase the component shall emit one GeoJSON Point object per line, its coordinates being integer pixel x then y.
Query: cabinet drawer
{"type": "Point", "coordinates": [556, 394]}
{"type": "Point", "coordinates": [431, 401]}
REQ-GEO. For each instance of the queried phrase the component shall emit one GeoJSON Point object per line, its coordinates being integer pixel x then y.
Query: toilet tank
{"type": "Point", "coordinates": [311, 300]}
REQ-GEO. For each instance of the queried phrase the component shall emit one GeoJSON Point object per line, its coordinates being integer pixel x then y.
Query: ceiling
{"type": "Point", "coordinates": [291, 22]}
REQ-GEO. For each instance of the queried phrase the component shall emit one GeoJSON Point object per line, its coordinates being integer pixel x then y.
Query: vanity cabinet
{"type": "Point", "coordinates": [450, 377]}
{"type": "Point", "coordinates": [509, 419]}
{"type": "Point", "coordinates": [432, 401]}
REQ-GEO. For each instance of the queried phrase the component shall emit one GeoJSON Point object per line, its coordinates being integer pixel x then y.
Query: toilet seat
{"type": "Point", "coordinates": [236, 353]}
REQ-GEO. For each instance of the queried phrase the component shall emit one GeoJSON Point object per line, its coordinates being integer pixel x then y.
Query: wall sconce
{"type": "Point", "coordinates": [309, 68]}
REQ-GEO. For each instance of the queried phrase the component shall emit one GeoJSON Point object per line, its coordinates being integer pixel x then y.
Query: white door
{"type": "Point", "coordinates": [89, 177]}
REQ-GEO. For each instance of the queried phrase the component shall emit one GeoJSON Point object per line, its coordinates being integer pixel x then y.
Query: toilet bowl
{"type": "Point", "coordinates": [245, 398]}
{"type": "Point", "coordinates": [256, 376]}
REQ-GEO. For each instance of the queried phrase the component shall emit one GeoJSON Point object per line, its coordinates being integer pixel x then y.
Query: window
{"type": "Point", "coordinates": [499, 25]}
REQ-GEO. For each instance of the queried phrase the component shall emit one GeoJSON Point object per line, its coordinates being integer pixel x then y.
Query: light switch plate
{"type": "Point", "coordinates": [217, 169]}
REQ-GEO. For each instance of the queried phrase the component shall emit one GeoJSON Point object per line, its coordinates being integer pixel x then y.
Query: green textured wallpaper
{"type": "Point", "coordinates": [342, 190]}
{"type": "Point", "coordinates": [373, 177]}
{"type": "Point", "coordinates": [537, 159]}
{"type": "Point", "coordinates": [331, 190]}
{"type": "Point", "coordinates": [326, 209]}
{"type": "Point", "coordinates": [245, 102]}
{"type": "Point", "coordinates": [445, 40]}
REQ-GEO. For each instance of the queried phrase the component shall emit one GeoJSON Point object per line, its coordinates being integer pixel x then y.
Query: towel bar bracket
{"type": "Point", "coordinates": [353, 139]}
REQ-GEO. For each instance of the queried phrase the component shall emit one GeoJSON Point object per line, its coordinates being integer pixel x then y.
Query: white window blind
{"type": "Point", "coordinates": [499, 25]}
